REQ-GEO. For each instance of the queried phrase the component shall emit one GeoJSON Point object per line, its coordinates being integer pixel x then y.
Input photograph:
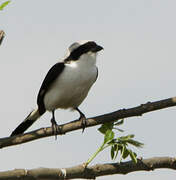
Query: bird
{"type": "Point", "coordinates": [66, 84]}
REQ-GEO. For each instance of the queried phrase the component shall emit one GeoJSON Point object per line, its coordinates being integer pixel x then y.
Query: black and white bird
{"type": "Point", "coordinates": [66, 84]}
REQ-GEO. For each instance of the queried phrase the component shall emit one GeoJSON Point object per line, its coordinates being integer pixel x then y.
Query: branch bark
{"type": "Point", "coordinates": [2, 34]}
{"type": "Point", "coordinates": [90, 172]}
{"type": "Point", "coordinates": [76, 125]}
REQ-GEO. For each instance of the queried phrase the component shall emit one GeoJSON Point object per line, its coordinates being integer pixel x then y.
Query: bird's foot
{"type": "Point", "coordinates": [82, 118]}
{"type": "Point", "coordinates": [83, 122]}
{"type": "Point", "coordinates": [54, 127]}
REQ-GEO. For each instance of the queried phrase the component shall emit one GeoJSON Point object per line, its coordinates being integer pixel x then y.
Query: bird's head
{"type": "Point", "coordinates": [78, 49]}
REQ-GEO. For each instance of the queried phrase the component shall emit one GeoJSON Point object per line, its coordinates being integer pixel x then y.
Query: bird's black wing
{"type": "Point", "coordinates": [52, 74]}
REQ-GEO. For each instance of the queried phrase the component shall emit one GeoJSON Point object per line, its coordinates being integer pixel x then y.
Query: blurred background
{"type": "Point", "coordinates": [137, 65]}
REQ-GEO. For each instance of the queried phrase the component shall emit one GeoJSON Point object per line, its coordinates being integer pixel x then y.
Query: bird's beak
{"type": "Point", "coordinates": [97, 48]}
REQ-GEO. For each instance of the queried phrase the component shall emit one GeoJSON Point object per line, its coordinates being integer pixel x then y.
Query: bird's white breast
{"type": "Point", "coordinates": [73, 84]}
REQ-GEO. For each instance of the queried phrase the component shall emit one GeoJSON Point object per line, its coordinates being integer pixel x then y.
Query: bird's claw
{"type": "Point", "coordinates": [54, 127]}
{"type": "Point", "coordinates": [83, 122]}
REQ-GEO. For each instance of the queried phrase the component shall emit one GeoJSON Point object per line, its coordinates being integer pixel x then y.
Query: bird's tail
{"type": "Point", "coordinates": [29, 120]}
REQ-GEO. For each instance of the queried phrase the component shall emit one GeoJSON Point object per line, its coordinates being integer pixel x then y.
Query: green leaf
{"type": "Point", "coordinates": [133, 156]}
{"type": "Point", "coordinates": [4, 4]}
{"type": "Point", "coordinates": [108, 136]}
{"type": "Point", "coordinates": [116, 149]}
{"type": "Point", "coordinates": [112, 152]}
{"type": "Point", "coordinates": [125, 153]}
{"type": "Point", "coordinates": [135, 143]}
{"type": "Point", "coordinates": [119, 122]}
{"type": "Point", "coordinates": [112, 142]}
{"type": "Point", "coordinates": [122, 151]}
{"type": "Point", "coordinates": [128, 140]}
{"type": "Point", "coordinates": [121, 130]}
{"type": "Point", "coordinates": [105, 127]}
{"type": "Point", "coordinates": [124, 138]}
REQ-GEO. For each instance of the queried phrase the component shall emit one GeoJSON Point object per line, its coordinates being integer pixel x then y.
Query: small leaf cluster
{"type": "Point", "coordinates": [119, 145]}
{"type": "Point", "coordinates": [4, 4]}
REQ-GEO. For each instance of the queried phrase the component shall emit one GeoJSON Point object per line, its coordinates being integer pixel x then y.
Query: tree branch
{"type": "Point", "coordinates": [76, 125]}
{"type": "Point", "coordinates": [90, 172]}
{"type": "Point", "coordinates": [2, 34]}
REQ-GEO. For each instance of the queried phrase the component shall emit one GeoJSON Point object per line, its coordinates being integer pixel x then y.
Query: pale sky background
{"type": "Point", "coordinates": [137, 65]}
